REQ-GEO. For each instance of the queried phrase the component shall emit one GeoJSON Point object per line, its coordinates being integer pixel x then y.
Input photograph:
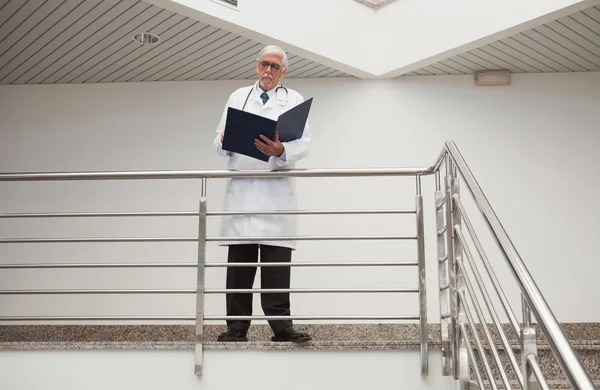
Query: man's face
{"type": "Point", "coordinates": [270, 71]}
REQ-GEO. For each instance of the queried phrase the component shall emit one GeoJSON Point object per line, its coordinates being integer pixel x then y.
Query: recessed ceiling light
{"type": "Point", "coordinates": [145, 38]}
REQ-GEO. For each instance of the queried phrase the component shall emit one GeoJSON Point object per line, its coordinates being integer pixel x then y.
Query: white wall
{"type": "Point", "coordinates": [532, 146]}
{"type": "Point", "coordinates": [270, 370]}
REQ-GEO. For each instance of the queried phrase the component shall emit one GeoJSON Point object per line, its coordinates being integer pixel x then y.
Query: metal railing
{"type": "Point", "coordinates": [202, 214]}
{"type": "Point", "coordinates": [460, 308]}
{"type": "Point", "coordinates": [459, 299]}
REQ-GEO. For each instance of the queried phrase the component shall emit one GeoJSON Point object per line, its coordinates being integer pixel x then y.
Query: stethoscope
{"type": "Point", "coordinates": [280, 100]}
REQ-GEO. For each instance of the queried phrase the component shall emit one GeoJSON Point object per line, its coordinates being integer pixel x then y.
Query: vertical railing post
{"type": "Point", "coordinates": [458, 284]}
{"type": "Point", "coordinates": [528, 347]}
{"type": "Point", "coordinates": [458, 252]}
{"type": "Point", "coordinates": [422, 280]}
{"type": "Point", "coordinates": [526, 313]}
{"type": "Point", "coordinates": [451, 187]}
{"type": "Point", "coordinates": [199, 350]}
{"type": "Point", "coordinates": [444, 281]}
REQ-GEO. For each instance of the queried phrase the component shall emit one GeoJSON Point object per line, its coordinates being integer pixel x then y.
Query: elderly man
{"type": "Point", "coordinates": [268, 98]}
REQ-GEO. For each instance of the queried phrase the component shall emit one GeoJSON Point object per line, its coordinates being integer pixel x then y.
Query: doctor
{"type": "Point", "coordinates": [268, 98]}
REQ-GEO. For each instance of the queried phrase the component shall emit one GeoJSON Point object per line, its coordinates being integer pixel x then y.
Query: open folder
{"type": "Point", "coordinates": [242, 128]}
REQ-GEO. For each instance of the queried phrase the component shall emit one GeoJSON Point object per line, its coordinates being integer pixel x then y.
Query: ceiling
{"type": "Point", "coordinates": [90, 41]}
{"type": "Point", "coordinates": [569, 44]}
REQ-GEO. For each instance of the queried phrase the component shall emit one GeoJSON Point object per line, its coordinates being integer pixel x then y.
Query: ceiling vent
{"type": "Point", "coordinates": [492, 77]}
{"type": "Point", "coordinates": [146, 38]}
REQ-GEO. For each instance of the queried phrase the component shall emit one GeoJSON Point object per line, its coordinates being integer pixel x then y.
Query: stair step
{"type": "Point", "coordinates": [552, 384]}
{"type": "Point", "coordinates": [589, 355]}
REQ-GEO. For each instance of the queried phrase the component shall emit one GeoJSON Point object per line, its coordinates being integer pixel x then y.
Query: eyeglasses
{"type": "Point", "coordinates": [274, 65]}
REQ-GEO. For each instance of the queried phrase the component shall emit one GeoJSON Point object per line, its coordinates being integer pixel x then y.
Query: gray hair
{"type": "Point", "coordinates": [274, 50]}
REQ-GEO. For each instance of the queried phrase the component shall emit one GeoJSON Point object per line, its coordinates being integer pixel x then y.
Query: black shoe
{"type": "Point", "coordinates": [232, 335]}
{"type": "Point", "coordinates": [290, 334]}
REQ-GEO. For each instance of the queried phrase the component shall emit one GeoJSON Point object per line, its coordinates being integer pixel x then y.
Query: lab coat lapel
{"type": "Point", "coordinates": [272, 102]}
{"type": "Point", "coordinates": [254, 104]}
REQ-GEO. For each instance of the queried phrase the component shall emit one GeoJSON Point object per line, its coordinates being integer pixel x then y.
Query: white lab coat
{"type": "Point", "coordinates": [252, 194]}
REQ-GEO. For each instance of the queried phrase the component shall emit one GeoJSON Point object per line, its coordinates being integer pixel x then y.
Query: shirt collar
{"type": "Point", "coordinates": [259, 90]}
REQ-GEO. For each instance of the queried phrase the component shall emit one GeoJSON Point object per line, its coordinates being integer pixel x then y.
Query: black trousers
{"type": "Point", "coordinates": [240, 304]}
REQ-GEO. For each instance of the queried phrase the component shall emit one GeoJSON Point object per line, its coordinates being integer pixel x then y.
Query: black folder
{"type": "Point", "coordinates": [242, 128]}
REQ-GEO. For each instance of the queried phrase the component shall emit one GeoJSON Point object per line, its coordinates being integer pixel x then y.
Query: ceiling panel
{"type": "Point", "coordinates": [420, 72]}
{"type": "Point", "coordinates": [432, 69]}
{"type": "Point", "coordinates": [43, 35]}
{"type": "Point", "coordinates": [15, 13]}
{"type": "Point", "coordinates": [90, 41]}
{"type": "Point", "coordinates": [569, 44]}
{"type": "Point", "coordinates": [552, 58]}
{"type": "Point", "coordinates": [474, 62]}
{"type": "Point", "coordinates": [241, 57]}
{"type": "Point", "coordinates": [445, 69]}
{"type": "Point", "coordinates": [117, 49]}
{"type": "Point", "coordinates": [109, 69]}
{"type": "Point", "coordinates": [203, 47]}
{"type": "Point", "coordinates": [67, 45]}
{"type": "Point", "coordinates": [216, 55]}
{"type": "Point", "coordinates": [313, 71]}
{"type": "Point", "coordinates": [459, 64]}
{"type": "Point", "coordinates": [240, 66]}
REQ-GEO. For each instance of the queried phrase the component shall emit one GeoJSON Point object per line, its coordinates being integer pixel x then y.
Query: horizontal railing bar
{"type": "Point", "coordinates": [195, 239]}
{"type": "Point", "coordinates": [535, 367]}
{"type": "Point", "coordinates": [445, 316]}
{"type": "Point", "coordinates": [207, 318]}
{"type": "Point", "coordinates": [97, 265]}
{"type": "Point", "coordinates": [100, 291]}
{"type": "Point", "coordinates": [302, 318]}
{"type": "Point", "coordinates": [208, 291]}
{"type": "Point", "coordinates": [310, 212]}
{"type": "Point", "coordinates": [310, 238]}
{"type": "Point", "coordinates": [102, 214]}
{"type": "Point", "coordinates": [564, 352]}
{"type": "Point", "coordinates": [313, 264]}
{"type": "Point", "coordinates": [442, 231]}
{"type": "Point", "coordinates": [95, 239]}
{"type": "Point", "coordinates": [444, 287]}
{"type": "Point", "coordinates": [98, 318]}
{"type": "Point", "coordinates": [195, 213]}
{"type": "Point", "coordinates": [311, 290]}
{"type": "Point", "coordinates": [206, 265]}
{"type": "Point", "coordinates": [211, 174]}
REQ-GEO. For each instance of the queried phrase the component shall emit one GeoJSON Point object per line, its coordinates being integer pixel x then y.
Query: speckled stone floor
{"type": "Point", "coordinates": [584, 337]}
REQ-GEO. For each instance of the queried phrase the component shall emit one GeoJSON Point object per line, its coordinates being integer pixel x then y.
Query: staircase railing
{"type": "Point", "coordinates": [460, 307]}
{"type": "Point", "coordinates": [202, 239]}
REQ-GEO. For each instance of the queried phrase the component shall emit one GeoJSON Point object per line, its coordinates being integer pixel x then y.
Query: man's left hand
{"type": "Point", "coordinates": [268, 147]}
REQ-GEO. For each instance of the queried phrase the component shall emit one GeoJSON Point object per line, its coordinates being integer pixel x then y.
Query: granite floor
{"type": "Point", "coordinates": [584, 337]}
